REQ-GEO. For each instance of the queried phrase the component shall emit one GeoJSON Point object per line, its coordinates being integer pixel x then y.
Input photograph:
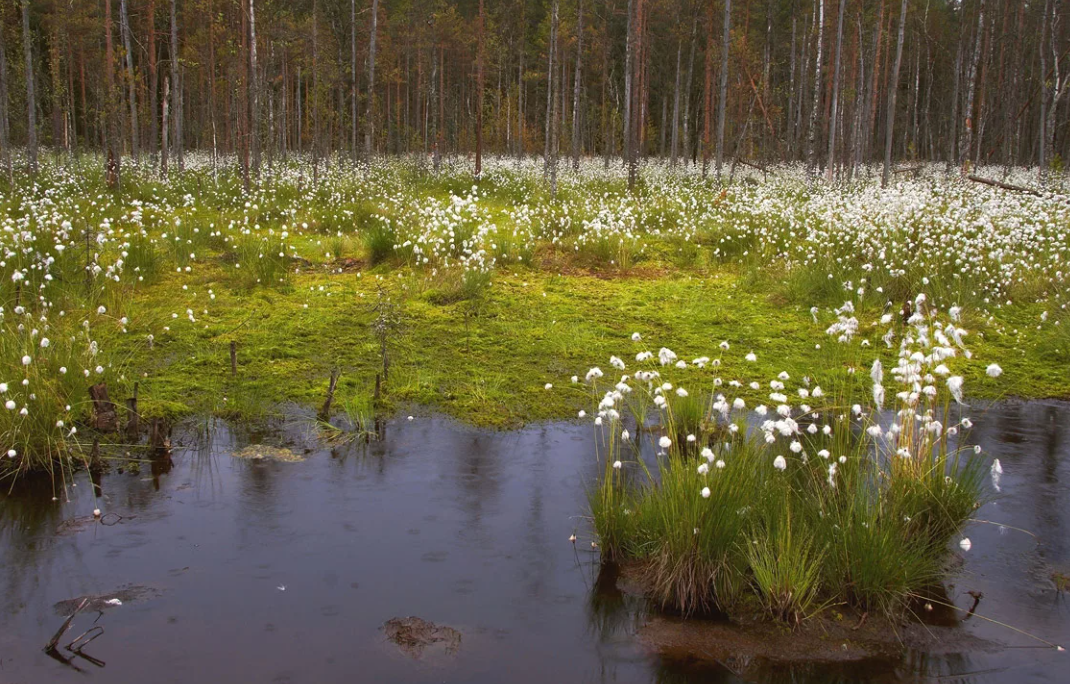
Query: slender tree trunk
{"type": "Point", "coordinates": [835, 91]}
{"type": "Point", "coordinates": [176, 84]}
{"type": "Point", "coordinates": [707, 93]}
{"type": "Point", "coordinates": [211, 89]}
{"type": "Point", "coordinates": [791, 83]}
{"type": "Point", "coordinates": [553, 126]}
{"type": "Point", "coordinates": [675, 140]}
{"type": "Point", "coordinates": [1042, 143]}
{"type": "Point", "coordinates": [971, 87]}
{"type": "Point", "coordinates": [314, 97]}
{"type": "Point", "coordinates": [369, 134]}
{"type": "Point", "coordinates": [5, 125]}
{"type": "Point", "coordinates": [154, 83]}
{"type": "Point", "coordinates": [550, 92]}
{"type": "Point", "coordinates": [353, 76]}
{"type": "Point", "coordinates": [164, 128]}
{"type": "Point", "coordinates": [124, 27]}
{"type": "Point", "coordinates": [893, 89]}
{"type": "Point", "coordinates": [687, 92]}
{"type": "Point", "coordinates": [575, 89]}
{"type": "Point", "coordinates": [31, 100]}
{"type": "Point", "coordinates": [254, 94]}
{"type": "Point", "coordinates": [811, 145]}
{"type": "Point", "coordinates": [723, 91]}
{"type": "Point", "coordinates": [628, 58]}
{"type": "Point", "coordinates": [480, 57]}
{"type": "Point", "coordinates": [112, 153]}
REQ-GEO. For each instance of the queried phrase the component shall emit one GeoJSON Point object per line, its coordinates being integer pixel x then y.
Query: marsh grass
{"type": "Point", "coordinates": [833, 505]}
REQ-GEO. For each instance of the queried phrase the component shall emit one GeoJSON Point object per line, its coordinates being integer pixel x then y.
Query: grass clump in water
{"type": "Point", "coordinates": [820, 499]}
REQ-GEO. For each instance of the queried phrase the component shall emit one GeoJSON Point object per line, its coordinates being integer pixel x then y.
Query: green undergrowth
{"type": "Point", "coordinates": [486, 362]}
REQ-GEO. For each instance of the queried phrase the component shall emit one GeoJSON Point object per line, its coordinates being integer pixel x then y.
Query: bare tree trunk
{"type": "Point", "coordinates": [707, 93]}
{"type": "Point", "coordinates": [5, 130]}
{"type": "Point", "coordinates": [675, 140]}
{"type": "Point", "coordinates": [628, 58]}
{"type": "Point", "coordinates": [353, 75]}
{"type": "Point", "coordinates": [971, 86]}
{"type": "Point", "coordinates": [791, 84]}
{"type": "Point", "coordinates": [811, 145]}
{"type": "Point", "coordinates": [835, 92]}
{"type": "Point", "coordinates": [124, 27]}
{"type": "Point", "coordinates": [111, 153]}
{"type": "Point", "coordinates": [154, 82]}
{"type": "Point", "coordinates": [550, 93]}
{"type": "Point", "coordinates": [723, 91]}
{"type": "Point", "coordinates": [369, 134]}
{"type": "Point", "coordinates": [31, 101]}
{"type": "Point", "coordinates": [164, 129]}
{"type": "Point", "coordinates": [176, 84]}
{"type": "Point", "coordinates": [211, 90]}
{"type": "Point", "coordinates": [314, 96]}
{"type": "Point", "coordinates": [576, 89]}
{"type": "Point", "coordinates": [480, 57]}
{"type": "Point", "coordinates": [254, 94]}
{"type": "Point", "coordinates": [687, 92]}
{"type": "Point", "coordinates": [554, 29]}
{"type": "Point", "coordinates": [893, 89]}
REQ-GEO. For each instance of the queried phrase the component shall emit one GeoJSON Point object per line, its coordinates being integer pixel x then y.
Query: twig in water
{"type": "Point", "coordinates": [51, 646]}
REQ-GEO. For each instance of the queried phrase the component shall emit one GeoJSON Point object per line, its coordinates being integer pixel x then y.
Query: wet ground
{"type": "Point", "coordinates": [287, 569]}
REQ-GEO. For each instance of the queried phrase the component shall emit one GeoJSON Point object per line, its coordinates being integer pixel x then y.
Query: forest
{"type": "Point", "coordinates": [834, 83]}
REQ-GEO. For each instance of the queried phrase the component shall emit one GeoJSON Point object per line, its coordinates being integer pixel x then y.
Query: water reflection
{"type": "Point", "coordinates": [285, 571]}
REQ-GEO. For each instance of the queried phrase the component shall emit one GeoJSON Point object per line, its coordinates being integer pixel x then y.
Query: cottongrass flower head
{"type": "Point", "coordinates": [994, 371]}
{"type": "Point", "coordinates": [780, 463]}
{"type": "Point", "coordinates": [664, 442]}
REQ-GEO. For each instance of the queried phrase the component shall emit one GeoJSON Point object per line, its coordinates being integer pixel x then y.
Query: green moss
{"type": "Point", "coordinates": [488, 364]}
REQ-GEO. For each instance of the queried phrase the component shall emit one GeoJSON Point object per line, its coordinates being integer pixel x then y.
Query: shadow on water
{"type": "Point", "coordinates": [285, 570]}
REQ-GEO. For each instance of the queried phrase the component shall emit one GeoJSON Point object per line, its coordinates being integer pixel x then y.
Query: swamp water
{"type": "Point", "coordinates": [262, 569]}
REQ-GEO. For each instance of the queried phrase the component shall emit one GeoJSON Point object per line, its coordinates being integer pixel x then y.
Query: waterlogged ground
{"type": "Point", "coordinates": [286, 569]}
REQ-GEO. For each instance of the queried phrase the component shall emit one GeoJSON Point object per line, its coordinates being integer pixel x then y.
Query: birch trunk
{"type": "Point", "coordinates": [893, 89]}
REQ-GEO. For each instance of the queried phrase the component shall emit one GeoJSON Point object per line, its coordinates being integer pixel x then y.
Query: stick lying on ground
{"type": "Point", "coordinates": [1005, 186]}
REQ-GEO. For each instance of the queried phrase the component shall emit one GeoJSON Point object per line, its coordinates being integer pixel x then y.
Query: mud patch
{"type": "Point", "coordinates": [264, 452]}
{"type": "Point", "coordinates": [415, 636]}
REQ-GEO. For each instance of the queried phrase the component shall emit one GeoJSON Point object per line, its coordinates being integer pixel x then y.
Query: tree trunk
{"type": "Point", "coordinates": [628, 58]}
{"type": "Point", "coordinates": [554, 28]}
{"type": "Point", "coordinates": [549, 93]}
{"type": "Point", "coordinates": [675, 139]}
{"type": "Point", "coordinates": [480, 57]}
{"type": "Point", "coordinates": [112, 152]}
{"type": "Point", "coordinates": [971, 87]}
{"type": "Point", "coordinates": [254, 95]}
{"type": "Point", "coordinates": [154, 83]}
{"type": "Point", "coordinates": [575, 88]}
{"type": "Point", "coordinates": [893, 89]}
{"type": "Point", "coordinates": [723, 91]}
{"type": "Point", "coordinates": [5, 129]}
{"type": "Point", "coordinates": [31, 101]}
{"type": "Point", "coordinates": [124, 27]}
{"type": "Point", "coordinates": [369, 133]}
{"type": "Point", "coordinates": [164, 128]}
{"type": "Point", "coordinates": [176, 92]}
{"type": "Point", "coordinates": [811, 145]}
{"type": "Point", "coordinates": [353, 76]}
{"type": "Point", "coordinates": [687, 91]}
{"type": "Point", "coordinates": [835, 91]}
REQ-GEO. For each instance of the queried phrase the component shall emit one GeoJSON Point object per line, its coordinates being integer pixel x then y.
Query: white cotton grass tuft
{"type": "Point", "coordinates": [993, 370]}
{"type": "Point", "coordinates": [780, 463]}
{"type": "Point", "coordinates": [965, 544]}
{"type": "Point", "coordinates": [954, 385]}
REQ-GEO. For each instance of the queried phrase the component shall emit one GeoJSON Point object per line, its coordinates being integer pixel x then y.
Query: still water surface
{"type": "Point", "coordinates": [249, 571]}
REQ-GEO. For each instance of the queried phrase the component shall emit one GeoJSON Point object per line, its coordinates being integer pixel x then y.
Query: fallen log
{"type": "Point", "coordinates": [1005, 186]}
